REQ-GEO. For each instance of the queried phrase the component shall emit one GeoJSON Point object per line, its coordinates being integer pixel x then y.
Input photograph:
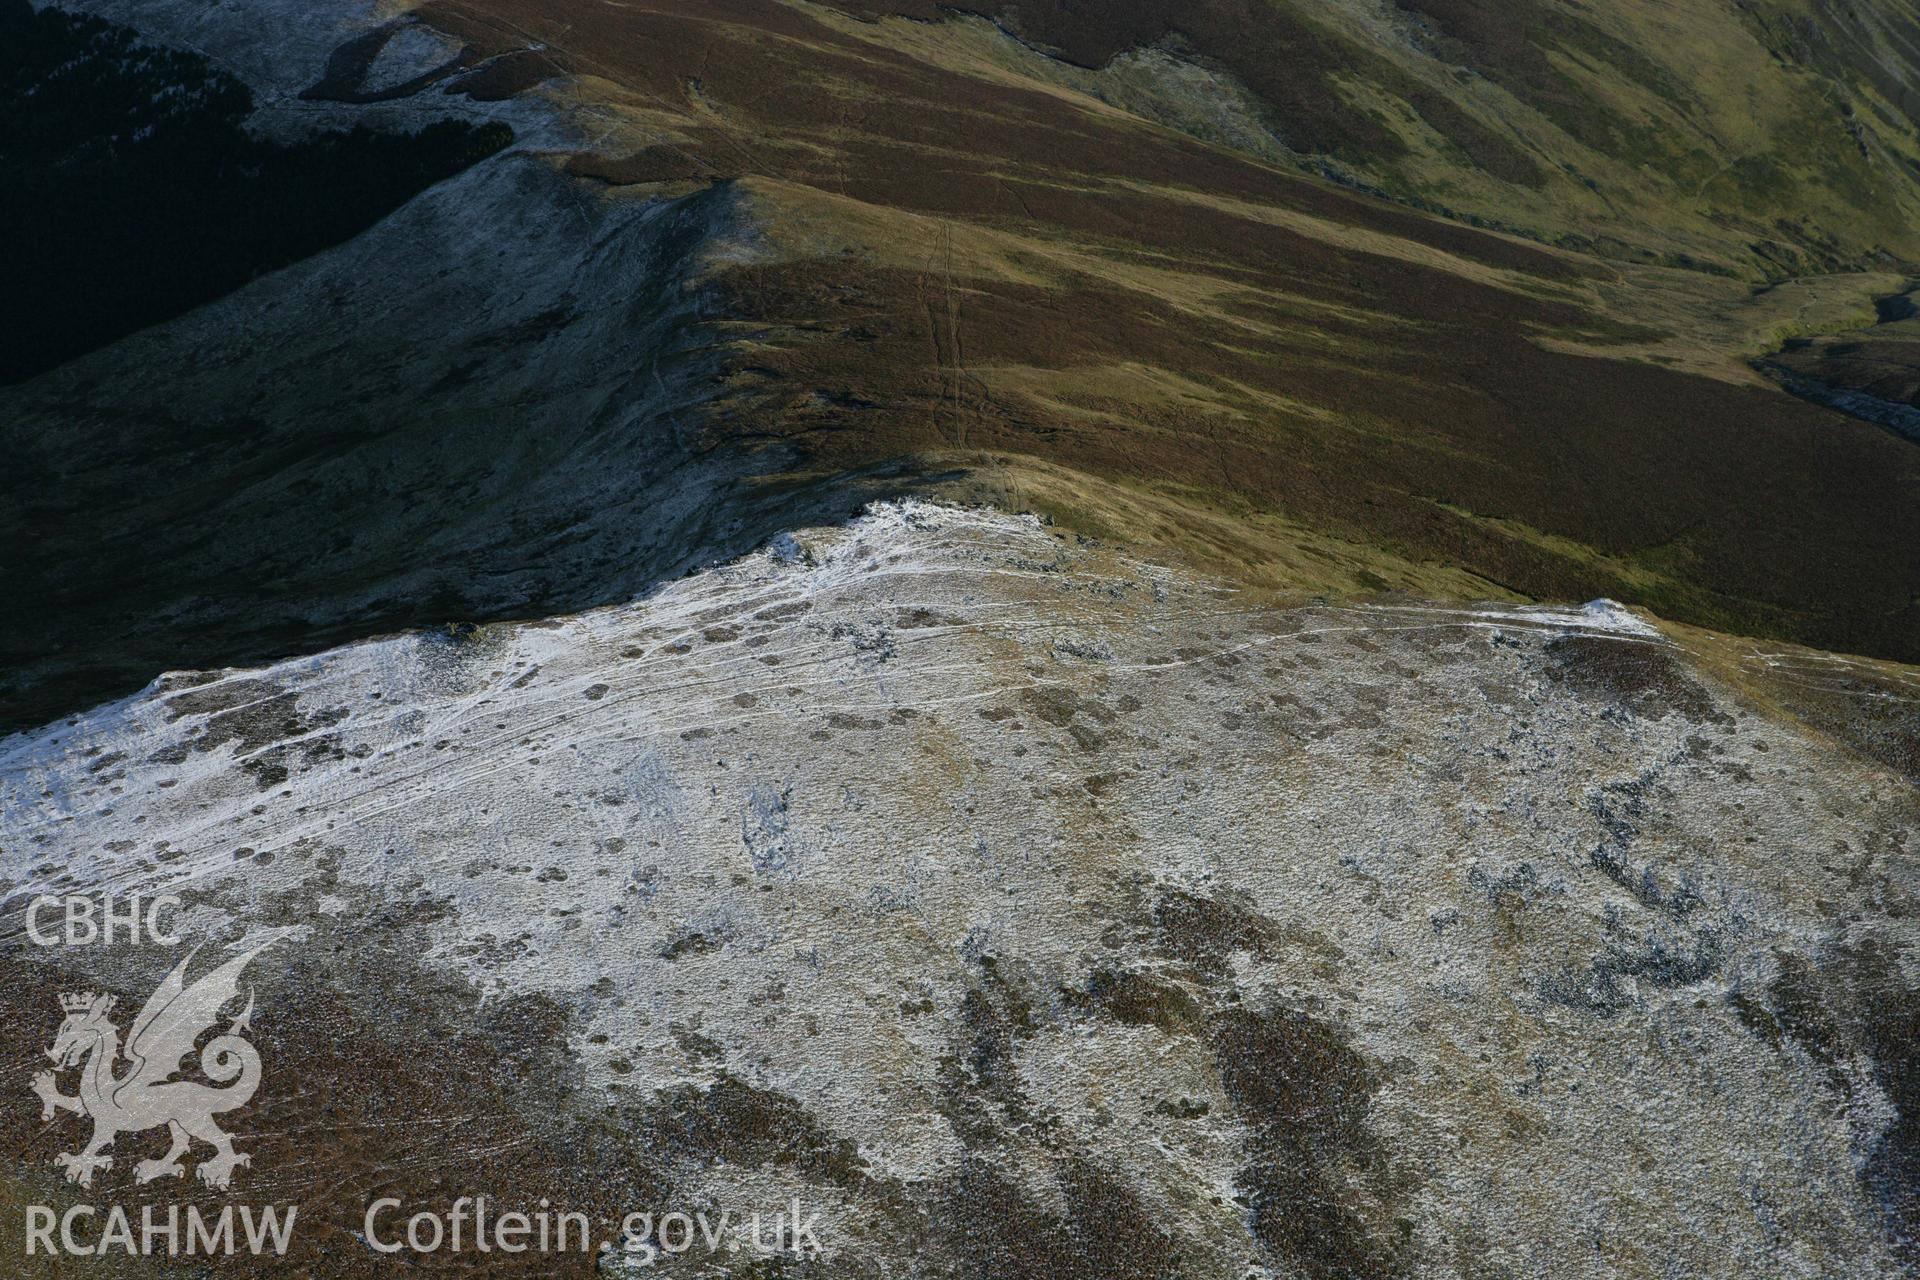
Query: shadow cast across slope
{"type": "Point", "coordinates": [490, 405]}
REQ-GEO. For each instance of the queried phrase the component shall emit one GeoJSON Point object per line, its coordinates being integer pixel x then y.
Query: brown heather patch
{"type": "Point", "coordinates": [1764, 515]}
{"type": "Point", "coordinates": [1292, 64]}
{"type": "Point", "coordinates": [1647, 676]}
{"type": "Point", "coordinates": [1867, 706]}
{"type": "Point", "coordinates": [1882, 362]}
{"type": "Point", "coordinates": [1318, 1181]}
{"type": "Point", "coordinates": [733, 1122]}
{"type": "Point", "coordinates": [1850, 1013]}
{"type": "Point", "coordinates": [395, 1086]}
{"type": "Point", "coordinates": [382, 1079]}
{"type": "Point", "coordinates": [1100, 1232]}
{"type": "Point", "coordinates": [1406, 385]}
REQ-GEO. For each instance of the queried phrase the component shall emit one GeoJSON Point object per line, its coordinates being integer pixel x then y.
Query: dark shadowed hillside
{"type": "Point", "coordinates": [130, 192]}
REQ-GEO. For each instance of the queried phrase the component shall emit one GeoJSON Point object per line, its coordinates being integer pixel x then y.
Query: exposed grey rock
{"type": "Point", "coordinates": [1268, 940]}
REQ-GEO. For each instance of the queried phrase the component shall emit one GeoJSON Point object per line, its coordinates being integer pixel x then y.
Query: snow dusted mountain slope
{"type": "Point", "coordinates": [489, 403]}
{"type": "Point", "coordinates": [1032, 910]}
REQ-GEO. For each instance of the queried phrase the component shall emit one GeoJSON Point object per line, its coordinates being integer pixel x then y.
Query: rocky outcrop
{"type": "Point", "coordinates": [1029, 909]}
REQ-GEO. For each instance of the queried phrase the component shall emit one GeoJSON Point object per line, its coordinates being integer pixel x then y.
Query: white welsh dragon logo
{"type": "Point", "coordinates": [146, 1094]}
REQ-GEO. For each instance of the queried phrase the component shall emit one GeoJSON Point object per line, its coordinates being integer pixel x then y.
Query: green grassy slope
{"type": "Point", "coordinates": [1771, 138]}
{"type": "Point", "coordinates": [974, 261]}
